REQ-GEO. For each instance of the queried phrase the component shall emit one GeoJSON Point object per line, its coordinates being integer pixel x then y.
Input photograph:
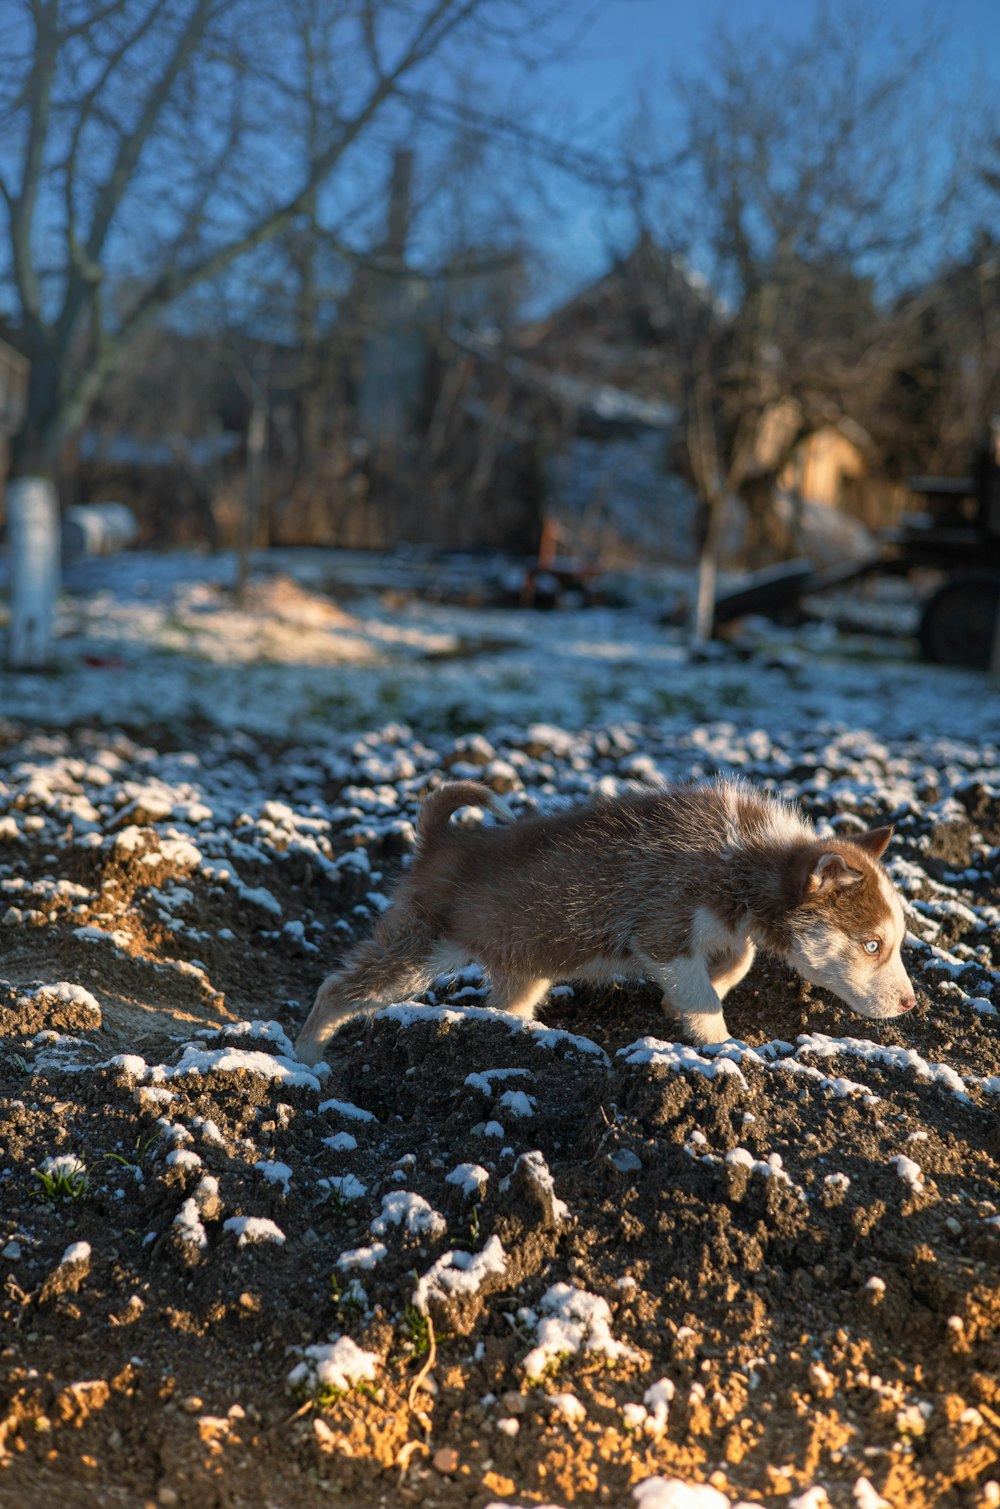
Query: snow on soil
{"type": "Point", "coordinates": [671, 1276]}
{"type": "Point", "coordinates": [572, 1321]}
{"type": "Point", "coordinates": [147, 638]}
{"type": "Point", "coordinates": [339, 1364]}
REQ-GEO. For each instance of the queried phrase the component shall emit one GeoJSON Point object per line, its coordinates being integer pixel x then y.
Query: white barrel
{"type": "Point", "coordinates": [97, 529]}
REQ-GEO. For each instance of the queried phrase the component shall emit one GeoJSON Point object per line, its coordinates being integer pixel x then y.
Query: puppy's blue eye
{"type": "Point", "coordinates": [871, 945]}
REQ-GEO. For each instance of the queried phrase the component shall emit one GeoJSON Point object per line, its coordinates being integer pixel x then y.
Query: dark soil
{"type": "Point", "coordinates": [816, 1330]}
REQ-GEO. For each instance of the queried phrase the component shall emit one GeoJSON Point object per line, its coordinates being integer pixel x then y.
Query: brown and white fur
{"type": "Point", "coordinates": [680, 886]}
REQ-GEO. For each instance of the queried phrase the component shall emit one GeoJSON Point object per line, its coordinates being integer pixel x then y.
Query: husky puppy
{"type": "Point", "coordinates": [680, 886]}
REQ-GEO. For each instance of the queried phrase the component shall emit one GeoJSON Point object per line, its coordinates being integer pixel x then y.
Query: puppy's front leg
{"type": "Point", "coordinates": [516, 994]}
{"type": "Point", "coordinates": [729, 969]}
{"type": "Point", "coordinates": [688, 992]}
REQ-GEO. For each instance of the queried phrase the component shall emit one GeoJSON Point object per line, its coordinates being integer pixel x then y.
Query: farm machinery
{"type": "Point", "coordinates": [957, 536]}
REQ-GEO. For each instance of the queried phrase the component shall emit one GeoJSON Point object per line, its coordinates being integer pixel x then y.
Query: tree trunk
{"type": "Point", "coordinates": [769, 537]}
{"type": "Point", "coordinates": [710, 531]}
{"type": "Point", "coordinates": [33, 507]}
{"type": "Point", "coordinates": [33, 525]}
{"type": "Point", "coordinates": [256, 446]}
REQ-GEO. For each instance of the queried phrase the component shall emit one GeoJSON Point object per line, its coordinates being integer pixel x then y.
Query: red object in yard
{"type": "Point", "coordinates": [563, 574]}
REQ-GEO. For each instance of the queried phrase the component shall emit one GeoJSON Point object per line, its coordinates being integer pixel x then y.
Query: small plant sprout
{"type": "Point", "coordinates": [418, 1330]}
{"type": "Point", "coordinates": [468, 1237]}
{"type": "Point", "coordinates": [342, 1188]}
{"type": "Point", "coordinates": [353, 1297]}
{"type": "Point", "coordinates": [137, 1162]}
{"type": "Point", "coordinates": [64, 1177]}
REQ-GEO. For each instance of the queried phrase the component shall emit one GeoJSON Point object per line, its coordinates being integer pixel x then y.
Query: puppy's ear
{"type": "Point", "coordinates": [874, 843]}
{"type": "Point", "coordinates": [831, 872]}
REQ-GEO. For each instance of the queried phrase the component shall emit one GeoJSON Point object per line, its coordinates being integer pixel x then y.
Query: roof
{"type": "Point", "coordinates": [602, 401]}
{"type": "Point", "coordinates": [649, 280]}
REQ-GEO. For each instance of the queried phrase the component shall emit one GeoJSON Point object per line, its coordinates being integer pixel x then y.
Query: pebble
{"type": "Point", "coordinates": [192, 1405]}
{"type": "Point", "coordinates": [625, 1161]}
{"type": "Point", "coordinates": [446, 1459]}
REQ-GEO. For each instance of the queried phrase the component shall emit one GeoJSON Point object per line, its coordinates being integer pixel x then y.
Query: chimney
{"type": "Point", "coordinates": [398, 219]}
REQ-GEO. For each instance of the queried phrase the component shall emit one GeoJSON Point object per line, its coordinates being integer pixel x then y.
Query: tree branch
{"type": "Point", "coordinates": [587, 165]}
{"type": "Point", "coordinates": [130, 149]}
{"type": "Point", "coordinates": [21, 206]}
{"type": "Point", "coordinates": [177, 280]}
{"type": "Point", "coordinates": [87, 266]}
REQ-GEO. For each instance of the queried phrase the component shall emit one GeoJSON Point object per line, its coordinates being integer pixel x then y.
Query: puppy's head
{"type": "Point", "coordinates": [847, 927]}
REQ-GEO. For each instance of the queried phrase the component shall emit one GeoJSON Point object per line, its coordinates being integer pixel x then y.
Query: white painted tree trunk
{"type": "Point", "coordinates": [33, 531]}
{"type": "Point", "coordinates": [703, 616]}
{"type": "Point", "coordinates": [702, 624]}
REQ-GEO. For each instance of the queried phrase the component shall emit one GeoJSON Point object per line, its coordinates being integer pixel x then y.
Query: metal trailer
{"type": "Point", "coordinates": [961, 538]}
{"type": "Point", "coordinates": [959, 535]}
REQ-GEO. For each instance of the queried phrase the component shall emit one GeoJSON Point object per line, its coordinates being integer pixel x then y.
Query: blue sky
{"type": "Point", "coordinates": [632, 45]}
{"type": "Point", "coordinates": [631, 39]}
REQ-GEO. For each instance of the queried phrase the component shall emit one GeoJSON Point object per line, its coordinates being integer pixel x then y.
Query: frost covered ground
{"type": "Point", "coordinates": [143, 638]}
{"type": "Point", "coordinates": [473, 1261]}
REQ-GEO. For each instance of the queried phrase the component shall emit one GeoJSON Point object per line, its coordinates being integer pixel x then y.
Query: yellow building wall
{"type": "Point", "coordinates": [820, 465]}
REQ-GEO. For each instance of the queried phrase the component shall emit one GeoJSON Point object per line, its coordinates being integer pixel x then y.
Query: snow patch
{"type": "Point", "coordinates": [76, 1252]}
{"type": "Point", "coordinates": [573, 1321]}
{"type": "Point", "coordinates": [249, 1230]}
{"type": "Point", "coordinates": [471, 1178]}
{"type": "Point", "coordinates": [460, 1273]}
{"type": "Point", "coordinates": [412, 1212]}
{"type": "Point", "coordinates": [362, 1257]}
{"type": "Point", "coordinates": [346, 1109]}
{"type": "Point", "coordinates": [196, 1062]}
{"type": "Point", "coordinates": [275, 1173]}
{"type": "Point", "coordinates": [337, 1364]}
{"type": "Point", "coordinates": [671, 1493]}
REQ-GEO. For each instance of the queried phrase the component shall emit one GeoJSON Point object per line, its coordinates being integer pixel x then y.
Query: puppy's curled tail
{"type": "Point", "coordinates": [439, 806]}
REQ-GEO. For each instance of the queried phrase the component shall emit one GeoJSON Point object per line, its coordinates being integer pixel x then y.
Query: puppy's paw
{"type": "Point", "coordinates": [309, 1050]}
{"type": "Point", "coordinates": [706, 1030]}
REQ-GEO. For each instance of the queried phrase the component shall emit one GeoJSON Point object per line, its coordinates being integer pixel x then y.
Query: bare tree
{"type": "Point", "coordinates": [808, 193]}
{"type": "Point", "coordinates": [945, 391]}
{"type": "Point", "coordinates": [146, 146]}
{"type": "Point", "coordinates": [140, 138]}
{"type": "Point", "coordinates": [935, 411]}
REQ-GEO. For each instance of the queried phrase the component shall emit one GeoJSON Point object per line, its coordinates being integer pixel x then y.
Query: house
{"type": "Point", "coordinates": [630, 327]}
{"type": "Point", "coordinates": [823, 460]}
{"type": "Point", "coordinates": [600, 383]}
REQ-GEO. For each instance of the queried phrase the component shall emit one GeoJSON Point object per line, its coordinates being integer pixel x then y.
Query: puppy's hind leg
{"type": "Point", "coordinates": [382, 969]}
